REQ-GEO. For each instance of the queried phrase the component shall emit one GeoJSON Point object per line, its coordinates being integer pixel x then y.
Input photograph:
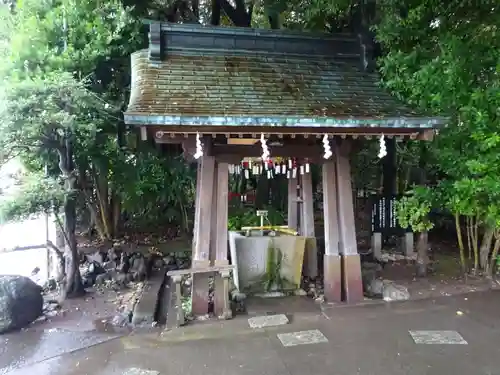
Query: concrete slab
{"type": "Point", "coordinates": [138, 371]}
{"type": "Point", "coordinates": [144, 311]}
{"type": "Point", "coordinates": [313, 336]}
{"type": "Point", "coordinates": [20, 349]}
{"type": "Point", "coordinates": [369, 340]}
{"type": "Point", "coordinates": [267, 321]}
{"type": "Point", "coordinates": [437, 337]}
{"type": "Point", "coordinates": [286, 305]}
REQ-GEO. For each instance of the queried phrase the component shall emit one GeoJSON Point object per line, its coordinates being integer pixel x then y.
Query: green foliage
{"type": "Point", "coordinates": [77, 36]}
{"type": "Point", "coordinates": [439, 57]}
{"type": "Point", "coordinates": [241, 216]}
{"type": "Point", "coordinates": [478, 198]}
{"type": "Point", "coordinates": [90, 40]}
{"type": "Point", "coordinates": [164, 189]}
{"type": "Point", "coordinates": [67, 62]}
{"type": "Point", "coordinates": [36, 194]}
{"type": "Point", "coordinates": [413, 211]}
{"type": "Point", "coordinates": [37, 114]}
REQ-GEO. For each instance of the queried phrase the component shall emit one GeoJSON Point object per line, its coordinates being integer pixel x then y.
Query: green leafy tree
{"type": "Point", "coordinates": [47, 115]}
{"type": "Point", "coordinates": [92, 40]}
{"type": "Point", "coordinates": [413, 212]}
{"type": "Point", "coordinates": [163, 191]}
{"type": "Point", "coordinates": [440, 58]}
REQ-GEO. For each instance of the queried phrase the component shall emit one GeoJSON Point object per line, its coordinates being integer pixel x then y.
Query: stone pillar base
{"type": "Point", "coordinates": [219, 293]}
{"type": "Point", "coordinates": [408, 244]}
{"type": "Point", "coordinates": [377, 245]}
{"type": "Point", "coordinates": [332, 274]}
{"type": "Point", "coordinates": [351, 278]}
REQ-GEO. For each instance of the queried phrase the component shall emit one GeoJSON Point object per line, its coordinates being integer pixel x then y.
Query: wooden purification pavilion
{"type": "Point", "coordinates": [228, 87]}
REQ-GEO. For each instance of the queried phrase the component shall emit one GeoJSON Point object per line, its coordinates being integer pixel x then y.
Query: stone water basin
{"type": "Point", "coordinates": [249, 254]}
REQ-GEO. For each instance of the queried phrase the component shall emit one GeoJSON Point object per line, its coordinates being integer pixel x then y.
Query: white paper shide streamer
{"type": "Point", "coordinates": [199, 148]}
{"type": "Point", "coordinates": [383, 151]}
{"type": "Point", "coordinates": [326, 146]}
{"type": "Point", "coordinates": [265, 149]}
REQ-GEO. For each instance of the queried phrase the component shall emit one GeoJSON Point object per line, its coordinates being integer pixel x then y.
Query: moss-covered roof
{"type": "Point", "coordinates": [321, 82]}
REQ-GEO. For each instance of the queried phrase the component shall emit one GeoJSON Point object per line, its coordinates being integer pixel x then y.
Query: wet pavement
{"type": "Point", "coordinates": [373, 339]}
{"type": "Point", "coordinates": [22, 349]}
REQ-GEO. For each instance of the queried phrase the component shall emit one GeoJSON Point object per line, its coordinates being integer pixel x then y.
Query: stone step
{"type": "Point", "coordinates": [146, 307]}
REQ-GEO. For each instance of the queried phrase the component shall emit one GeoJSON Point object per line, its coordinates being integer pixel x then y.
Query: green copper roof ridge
{"type": "Point", "coordinates": [242, 52]}
{"type": "Point", "coordinates": [425, 122]}
{"type": "Point", "coordinates": [262, 32]}
{"type": "Point", "coordinates": [182, 51]}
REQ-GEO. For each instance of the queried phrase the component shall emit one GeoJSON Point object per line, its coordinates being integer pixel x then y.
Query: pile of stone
{"type": "Point", "coordinates": [51, 309]}
{"type": "Point", "coordinates": [374, 286]}
{"type": "Point", "coordinates": [126, 272]}
{"type": "Point", "coordinates": [312, 287]}
{"type": "Point", "coordinates": [394, 256]}
{"type": "Point", "coordinates": [118, 269]}
{"type": "Point", "coordinates": [125, 303]}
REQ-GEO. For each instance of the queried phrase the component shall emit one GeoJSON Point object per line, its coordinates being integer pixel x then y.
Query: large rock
{"type": "Point", "coordinates": [370, 273]}
{"type": "Point", "coordinates": [21, 302]}
{"type": "Point", "coordinates": [89, 273]}
{"type": "Point", "coordinates": [395, 292]}
{"type": "Point", "coordinates": [138, 268]}
{"type": "Point", "coordinates": [387, 290]}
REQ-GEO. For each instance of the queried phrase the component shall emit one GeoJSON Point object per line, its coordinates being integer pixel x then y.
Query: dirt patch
{"type": "Point", "coordinates": [89, 313]}
{"type": "Point", "coordinates": [435, 287]}
{"type": "Point", "coordinates": [445, 278]}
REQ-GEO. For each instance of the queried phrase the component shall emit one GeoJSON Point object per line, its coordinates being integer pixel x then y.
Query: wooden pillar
{"type": "Point", "coordinates": [292, 203]}
{"type": "Point", "coordinates": [203, 217]}
{"type": "Point", "coordinates": [213, 227]}
{"type": "Point", "coordinates": [307, 226]}
{"type": "Point", "coordinates": [351, 265]}
{"type": "Point", "coordinates": [389, 185]}
{"type": "Point", "coordinates": [220, 233]}
{"type": "Point", "coordinates": [196, 207]}
{"type": "Point", "coordinates": [331, 261]}
{"type": "Point", "coordinates": [390, 168]}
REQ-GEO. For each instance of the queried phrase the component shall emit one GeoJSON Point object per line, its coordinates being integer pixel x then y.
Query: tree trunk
{"type": "Point", "coordinates": [196, 8]}
{"type": "Point", "coordinates": [494, 254]}
{"type": "Point", "coordinates": [469, 236]}
{"type": "Point", "coordinates": [96, 222]}
{"type": "Point", "coordinates": [116, 209]}
{"type": "Point", "coordinates": [422, 254]}
{"type": "Point", "coordinates": [238, 15]}
{"type": "Point", "coordinates": [101, 183]}
{"type": "Point", "coordinates": [115, 200]}
{"type": "Point", "coordinates": [61, 261]}
{"type": "Point", "coordinates": [484, 251]}
{"type": "Point", "coordinates": [215, 16]}
{"type": "Point", "coordinates": [73, 286]}
{"type": "Point", "coordinates": [461, 247]}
